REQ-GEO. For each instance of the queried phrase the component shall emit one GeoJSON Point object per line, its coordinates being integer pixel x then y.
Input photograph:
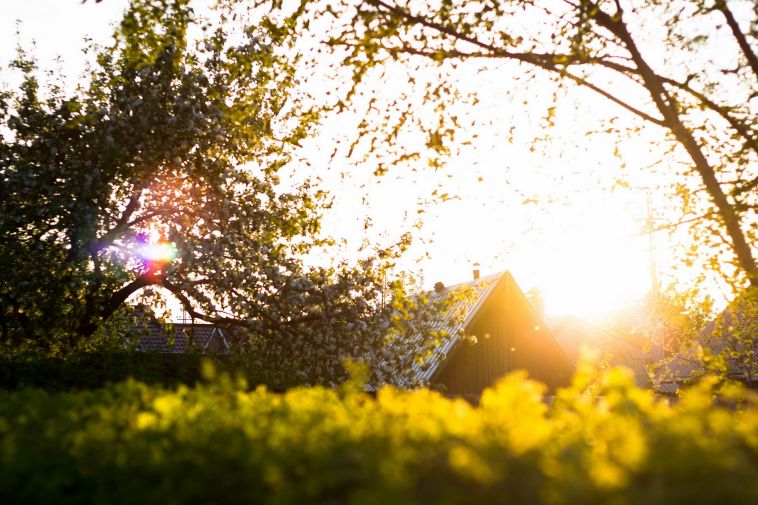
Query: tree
{"type": "Point", "coordinates": [150, 144]}
{"type": "Point", "coordinates": [685, 70]}
{"type": "Point", "coordinates": [161, 171]}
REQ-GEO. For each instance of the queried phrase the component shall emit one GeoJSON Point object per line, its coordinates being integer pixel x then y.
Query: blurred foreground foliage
{"type": "Point", "coordinates": [97, 368]}
{"type": "Point", "coordinates": [600, 441]}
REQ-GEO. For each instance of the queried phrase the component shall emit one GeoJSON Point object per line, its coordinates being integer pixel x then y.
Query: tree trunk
{"type": "Point", "coordinates": [667, 108]}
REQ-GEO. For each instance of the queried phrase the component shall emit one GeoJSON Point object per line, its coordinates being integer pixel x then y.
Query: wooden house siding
{"type": "Point", "coordinates": [509, 336]}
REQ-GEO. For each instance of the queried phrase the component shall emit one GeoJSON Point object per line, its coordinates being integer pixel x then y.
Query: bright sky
{"type": "Point", "coordinates": [585, 252]}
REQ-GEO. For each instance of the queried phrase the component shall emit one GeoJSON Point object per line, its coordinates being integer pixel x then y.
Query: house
{"type": "Point", "coordinates": [729, 341]}
{"type": "Point", "coordinates": [202, 337]}
{"type": "Point", "coordinates": [509, 334]}
{"type": "Point", "coordinates": [178, 338]}
{"type": "Point", "coordinates": [492, 330]}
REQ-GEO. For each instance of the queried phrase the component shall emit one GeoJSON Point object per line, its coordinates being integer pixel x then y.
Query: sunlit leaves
{"type": "Point", "coordinates": [600, 441]}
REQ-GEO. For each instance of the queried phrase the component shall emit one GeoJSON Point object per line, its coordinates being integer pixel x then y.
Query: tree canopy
{"type": "Point", "coordinates": [684, 72]}
{"type": "Point", "coordinates": [161, 170]}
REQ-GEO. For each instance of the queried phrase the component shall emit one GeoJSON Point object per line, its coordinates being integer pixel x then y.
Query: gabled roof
{"type": "Point", "coordinates": [571, 334]}
{"type": "Point", "coordinates": [185, 337]}
{"type": "Point", "coordinates": [454, 321]}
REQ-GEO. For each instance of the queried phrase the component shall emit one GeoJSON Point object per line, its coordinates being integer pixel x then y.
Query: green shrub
{"type": "Point", "coordinates": [96, 369]}
{"type": "Point", "coordinates": [600, 441]}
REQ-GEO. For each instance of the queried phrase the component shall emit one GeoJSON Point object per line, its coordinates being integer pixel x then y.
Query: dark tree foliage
{"type": "Point", "coordinates": [180, 138]}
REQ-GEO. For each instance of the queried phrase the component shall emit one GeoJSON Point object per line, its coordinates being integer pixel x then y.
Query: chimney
{"type": "Point", "coordinates": [439, 287]}
{"type": "Point", "coordinates": [476, 271]}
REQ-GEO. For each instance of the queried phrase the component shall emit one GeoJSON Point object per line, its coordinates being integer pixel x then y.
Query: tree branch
{"type": "Point", "coordinates": [748, 136]}
{"type": "Point", "coordinates": [544, 61]}
{"type": "Point", "coordinates": [122, 223]}
{"type": "Point", "coordinates": [683, 221]}
{"type": "Point", "coordinates": [752, 59]}
{"type": "Point", "coordinates": [664, 102]}
{"type": "Point", "coordinates": [190, 308]}
{"type": "Point", "coordinates": [88, 324]}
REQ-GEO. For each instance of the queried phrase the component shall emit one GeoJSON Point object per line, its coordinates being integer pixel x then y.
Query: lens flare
{"type": "Point", "coordinates": [161, 251]}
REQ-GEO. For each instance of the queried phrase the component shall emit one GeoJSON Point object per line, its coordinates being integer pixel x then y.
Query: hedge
{"type": "Point", "coordinates": [96, 369]}
{"type": "Point", "coordinates": [601, 441]}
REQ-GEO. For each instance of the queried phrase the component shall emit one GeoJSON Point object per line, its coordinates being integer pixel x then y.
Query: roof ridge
{"type": "Point", "coordinates": [493, 276]}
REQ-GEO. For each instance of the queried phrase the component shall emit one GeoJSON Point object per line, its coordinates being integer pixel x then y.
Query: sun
{"type": "Point", "coordinates": [597, 274]}
{"type": "Point", "coordinates": [588, 258]}
{"type": "Point", "coordinates": [163, 252]}
{"type": "Point", "coordinates": [152, 246]}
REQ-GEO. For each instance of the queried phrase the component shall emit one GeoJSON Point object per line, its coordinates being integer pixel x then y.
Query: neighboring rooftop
{"type": "Point", "coordinates": [181, 338]}
{"type": "Point", "coordinates": [572, 334]}
{"type": "Point", "coordinates": [576, 336]}
{"type": "Point", "coordinates": [732, 335]}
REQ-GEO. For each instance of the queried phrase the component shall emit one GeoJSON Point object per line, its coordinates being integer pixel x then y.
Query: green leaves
{"type": "Point", "coordinates": [179, 132]}
{"type": "Point", "coordinates": [600, 441]}
{"type": "Point", "coordinates": [651, 63]}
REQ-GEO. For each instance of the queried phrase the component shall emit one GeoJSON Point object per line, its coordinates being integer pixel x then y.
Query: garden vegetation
{"type": "Point", "coordinates": [602, 440]}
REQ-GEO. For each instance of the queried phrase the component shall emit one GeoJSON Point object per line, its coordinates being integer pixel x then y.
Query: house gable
{"type": "Point", "coordinates": [217, 343]}
{"type": "Point", "coordinates": [510, 335]}
{"type": "Point", "coordinates": [455, 320]}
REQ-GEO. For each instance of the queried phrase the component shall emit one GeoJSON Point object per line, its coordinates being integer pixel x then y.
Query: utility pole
{"type": "Point", "coordinates": [384, 286]}
{"type": "Point", "coordinates": [650, 230]}
{"type": "Point", "coordinates": [657, 335]}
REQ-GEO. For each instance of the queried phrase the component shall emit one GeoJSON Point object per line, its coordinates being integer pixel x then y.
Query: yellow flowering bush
{"type": "Point", "coordinates": [600, 441]}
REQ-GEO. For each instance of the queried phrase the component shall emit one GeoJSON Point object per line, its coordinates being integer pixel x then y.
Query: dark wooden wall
{"type": "Point", "coordinates": [518, 340]}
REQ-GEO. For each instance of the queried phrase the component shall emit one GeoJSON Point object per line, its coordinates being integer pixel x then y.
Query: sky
{"type": "Point", "coordinates": [585, 251]}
